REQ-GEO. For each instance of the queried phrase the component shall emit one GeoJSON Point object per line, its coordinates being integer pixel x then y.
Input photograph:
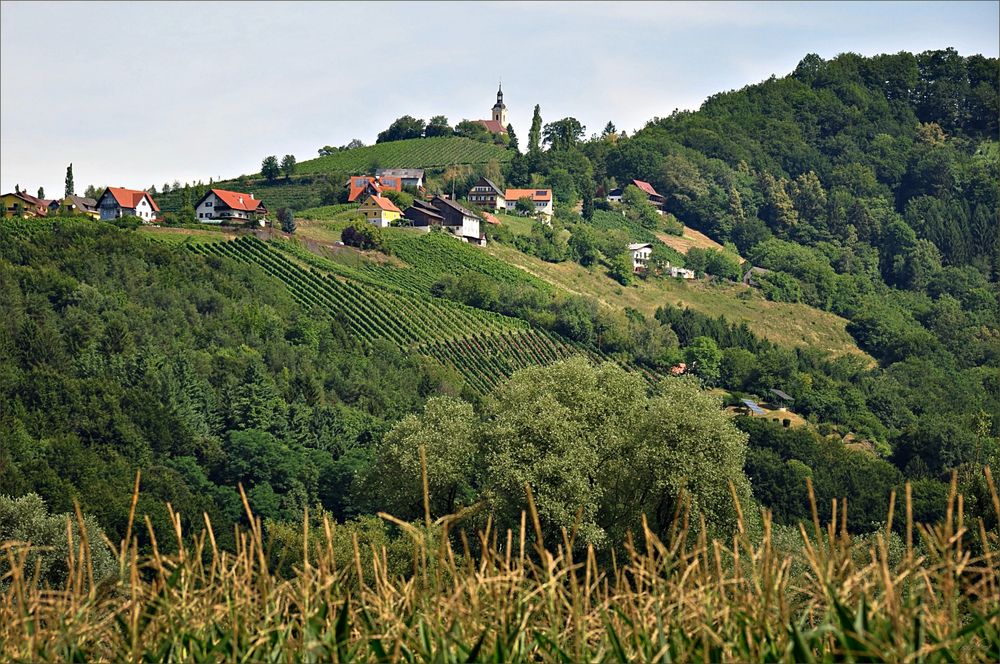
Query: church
{"type": "Point", "coordinates": [498, 123]}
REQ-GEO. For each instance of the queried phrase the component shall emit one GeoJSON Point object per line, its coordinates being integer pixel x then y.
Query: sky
{"type": "Point", "coordinates": [138, 94]}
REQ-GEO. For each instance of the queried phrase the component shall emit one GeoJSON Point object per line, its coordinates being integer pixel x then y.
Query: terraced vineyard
{"type": "Point", "coordinates": [486, 359]}
{"type": "Point", "coordinates": [391, 304]}
{"type": "Point", "coordinates": [428, 256]}
{"type": "Point", "coordinates": [437, 152]}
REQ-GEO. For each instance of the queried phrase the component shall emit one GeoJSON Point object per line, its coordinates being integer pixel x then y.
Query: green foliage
{"type": "Point", "coordinates": [269, 168]}
{"type": "Point", "coordinates": [27, 519]}
{"type": "Point", "coordinates": [437, 152]}
{"type": "Point", "coordinates": [286, 217]}
{"type": "Point", "coordinates": [364, 235]}
{"type": "Point", "coordinates": [551, 427]}
{"type": "Point", "coordinates": [620, 268]}
{"type": "Point", "coordinates": [779, 287]}
{"type": "Point", "coordinates": [70, 188]}
{"type": "Point", "coordinates": [402, 129]}
{"type": "Point", "coordinates": [287, 166]}
{"type": "Point", "coordinates": [445, 431]}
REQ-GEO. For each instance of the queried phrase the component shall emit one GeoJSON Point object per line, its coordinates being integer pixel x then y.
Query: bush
{"type": "Point", "coordinates": [363, 235]}
{"type": "Point", "coordinates": [27, 519]}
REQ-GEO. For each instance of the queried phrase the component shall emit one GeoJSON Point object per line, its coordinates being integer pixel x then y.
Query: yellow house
{"type": "Point", "coordinates": [380, 211]}
{"type": "Point", "coordinates": [78, 205]}
{"type": "Point", "coordinates": [23, 205]}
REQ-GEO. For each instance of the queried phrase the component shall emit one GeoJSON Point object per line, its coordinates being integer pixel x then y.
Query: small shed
{"type": "Point", "coordinates": [782, 399]}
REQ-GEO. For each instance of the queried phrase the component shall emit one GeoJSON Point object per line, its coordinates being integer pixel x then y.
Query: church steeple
{"type": "Point", "coordinates": [499, 109]}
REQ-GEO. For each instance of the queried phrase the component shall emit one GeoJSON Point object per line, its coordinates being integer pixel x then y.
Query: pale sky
{"type": "Point", "coordinates": [137, 94]}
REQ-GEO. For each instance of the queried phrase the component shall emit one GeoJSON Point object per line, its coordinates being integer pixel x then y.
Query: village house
{"type": "Point", "coordinates": [615, 195]}
{"type": "Point", "coordinates": [362, 186]}
{"type": "Point", "coordinates": [75, 205]}
{"type": "Point", "coordinates": [497, 124]}
{"type": "Point", "coordinates": [640, 255]}
{"type": "Point", "coordinates": [117, 202]}
{"type": "Point", "coordinates": [22, 204]}
{"type": "Point", "coordinates": [408, 177]}
{"type": "Point", "coordinates": [218, 206]}
{"type": "Point", "coordinates": [486, 194]}
{"type": "Point", "coordinates": [540, 198]}
{"type": "Point", "coordinates": [422, 215]}
{"type": "Point", "coordinates": [680, 272]}
{"type": "Point", "coordinates": [449, 215]}
{"type": "Point", "coordinates": [380, 211]}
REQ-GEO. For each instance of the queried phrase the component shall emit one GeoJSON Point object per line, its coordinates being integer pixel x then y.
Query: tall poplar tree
{"type": "Point", "coordinates": [535, 135]}
{"type": "Point", "coordinates": [70, 189]}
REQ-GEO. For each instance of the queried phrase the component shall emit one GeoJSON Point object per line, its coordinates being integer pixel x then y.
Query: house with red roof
{"type": "Point", "coordinates": [540, 198]}
{"type": "Point", "coordinates": [380, 211]}
{"type": "Point", "coordinates": [615, 195]}
{"type": "Point", "coordinates": [221, 206]}
{"type": "Point", "coordinates": [117, 202]}
{"type": "Point", "coordinates": [23, 204]}
{"type": "Point", "coordinates": [360, 187]}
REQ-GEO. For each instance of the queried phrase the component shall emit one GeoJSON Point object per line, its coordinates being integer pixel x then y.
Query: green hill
{"type": "Point", "coordinates": [313, 177]}
{"type": "Point", "coordinates": [426, 153]}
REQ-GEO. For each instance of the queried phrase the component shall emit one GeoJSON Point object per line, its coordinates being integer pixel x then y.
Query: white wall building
{"type": "Point", "coordinates": [117, 202]}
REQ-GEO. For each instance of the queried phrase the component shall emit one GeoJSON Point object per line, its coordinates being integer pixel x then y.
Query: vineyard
{"type": "Point", "coordinates": [437, 152]}
{"type": "Point", "coordinates": [390, 303]}
{"type": "Point", "coordinates": [428, 257]}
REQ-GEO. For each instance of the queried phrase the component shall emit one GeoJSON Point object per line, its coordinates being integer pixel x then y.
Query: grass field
{"type": "Point", "coordinates": [783, 323]}
{"type": "Point", "coordinates": [806, 594]}
{"type": "Point", "coordinates": [691, 238]}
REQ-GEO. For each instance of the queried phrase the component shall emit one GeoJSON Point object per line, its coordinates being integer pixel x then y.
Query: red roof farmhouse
{"type": "Point", "coordinates": [218, 205]}
{"type": "Point", "coordinates": [118, 202]}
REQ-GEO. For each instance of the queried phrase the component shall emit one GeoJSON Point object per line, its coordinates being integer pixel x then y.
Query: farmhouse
{"type": "Point", "coordinates": [118, 202]}
{"type": "Point", "coordinates": [423, 215]}
{"type": "Point", "coordinates": [486, 194]}
{"type": "Point", "coordinates": [363, 186]}
{"type": "Point", "coordinates": [219, 205]}
{"type": "Point", "coordinates": [615, 195]}
{"type": "Point", "coordinates": [640, 255]}
{"type": "Point", "coordinates": [76, 205]}
{"type": "Point", "coordinates": [21, 204]}
{"type": "Point", "coordinates": [380, 211]}
{"type": "Point", "coordinates": [497, 124]}
{"type": "Point", "coordinates": [540, 198]}
{"type": "Point", "coordinates": [455, 218]}
{"type": "Point", "coordinates": [408, 177]}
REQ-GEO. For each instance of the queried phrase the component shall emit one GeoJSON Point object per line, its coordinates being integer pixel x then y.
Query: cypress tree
{"type": "Point", "coordinates": [70, 189]}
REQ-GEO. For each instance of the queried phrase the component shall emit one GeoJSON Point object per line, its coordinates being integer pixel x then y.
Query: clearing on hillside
{"type": "Point", "coordinates": [691, 238]}
{"type": "Point", "coordinates": [783, 323]}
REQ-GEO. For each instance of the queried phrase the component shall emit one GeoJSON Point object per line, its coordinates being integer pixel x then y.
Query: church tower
{"type": "Point", "coordinates": [499, 109]}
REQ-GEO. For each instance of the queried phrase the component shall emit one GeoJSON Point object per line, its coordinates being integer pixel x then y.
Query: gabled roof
{"type": "Point", "coordinates": [39, 205]}
{"type": "Point", "coordinates": [491, 185]}
{"type": "Point", "coordinates": [646, 187]}
{"type": "Point", "coordinates": [425, 208]}
{"type": "Point", "coordinates": [455, 206]}
{"type": "Point", "coordinates": [361, 184]}
{"type": "Point", "coordinates": [493, 126]}
{"type": "Point", "coordinates": [79, 202]}
{"type": "Point", "coordinates": [383, 203]}
{"type": "Point", "coordinates": [236, 200]}
{"type": "Point", "coordinates": [635, 246]}
{"type": "Point", "coordinates": [129, 198]}
{"type": "Point", "coordinates": [533, 194]}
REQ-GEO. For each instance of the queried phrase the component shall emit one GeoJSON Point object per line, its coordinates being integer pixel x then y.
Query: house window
{"type": "Point", "coordinates": [208, 203]}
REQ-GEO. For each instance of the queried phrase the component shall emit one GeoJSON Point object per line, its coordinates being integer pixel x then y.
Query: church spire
{"type": "Point", "coordinates": [500, 93]}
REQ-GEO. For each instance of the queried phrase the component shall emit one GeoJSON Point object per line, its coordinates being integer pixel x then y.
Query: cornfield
{"type": "Point", "coordinates": [513, 596]}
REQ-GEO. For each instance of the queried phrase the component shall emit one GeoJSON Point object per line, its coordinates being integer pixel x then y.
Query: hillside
{"type": "Point", "coordinates": [322, 177]}
{"type": "Point", "coordinates": [786, 324]}
{"type": "Point", "coordinates": [428, 153]}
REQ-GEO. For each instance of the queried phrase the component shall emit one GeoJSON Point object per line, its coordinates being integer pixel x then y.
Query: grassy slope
{"type": "Point", "coordinates": [423, 153]}
{"type": "Point", "coordinates": [690, 239]}
{"type": "Point", "coordinates": [302, 191]}
{"type": "Point", "coordinates": [784, 323]}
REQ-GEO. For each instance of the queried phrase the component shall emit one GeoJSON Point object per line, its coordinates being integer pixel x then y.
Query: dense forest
{"type": "Point", "coordinates": [867, 186]}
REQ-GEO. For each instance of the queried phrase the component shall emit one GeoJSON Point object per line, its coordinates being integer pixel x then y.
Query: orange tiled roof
{"type": "Point", "coordinates": [129, 198]}
{"type": "Point", "coordinates": [236, 200]}
{"type": "Point", "coordinates": [533, 194]}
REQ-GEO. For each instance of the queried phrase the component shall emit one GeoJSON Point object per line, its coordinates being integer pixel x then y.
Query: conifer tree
{"type": "Point", "coordinates": [535, 135]}
{"type": "Point", "coordinates": [70, 189]}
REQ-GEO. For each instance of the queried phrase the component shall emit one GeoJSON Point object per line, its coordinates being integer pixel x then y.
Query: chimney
{"type": "Point", "coordinates": [251, 195]}
{"type": "Point", "coordinates": [241, 200]}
